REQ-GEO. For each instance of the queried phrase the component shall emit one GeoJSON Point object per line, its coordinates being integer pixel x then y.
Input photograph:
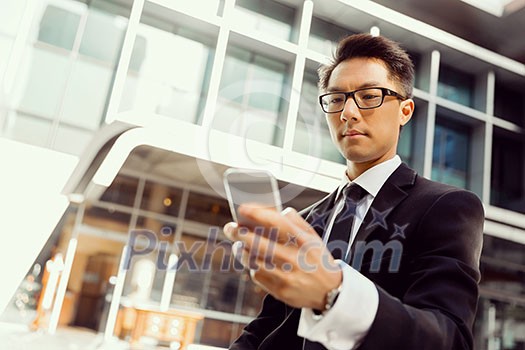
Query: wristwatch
{"type": "Point", "coordinates": [330, 299]}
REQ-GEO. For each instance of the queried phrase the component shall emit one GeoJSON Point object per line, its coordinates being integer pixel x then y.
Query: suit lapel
{"type": "Point", "coordinates": [388, 197]}
{"type": "Point", "coordinates": [318, 213]}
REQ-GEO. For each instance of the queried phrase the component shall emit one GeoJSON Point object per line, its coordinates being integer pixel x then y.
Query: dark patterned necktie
{"type": "Point", "coordinates": [342, 227]}
{"type": "Point", "coordinates": [340, 234]}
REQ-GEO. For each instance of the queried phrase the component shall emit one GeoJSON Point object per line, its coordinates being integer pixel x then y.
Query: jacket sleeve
{"type": "Point", "coordinates": [272, 314]}
{"type": "Point", "coordinates": [437, 310]}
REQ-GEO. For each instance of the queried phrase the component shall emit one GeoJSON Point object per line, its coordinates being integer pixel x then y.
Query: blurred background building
{"type": "Point", "coordinates": [118, 115]}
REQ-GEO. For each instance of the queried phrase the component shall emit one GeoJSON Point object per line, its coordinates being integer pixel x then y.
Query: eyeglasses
{"type": "Point", "coordinates": [368, 98]}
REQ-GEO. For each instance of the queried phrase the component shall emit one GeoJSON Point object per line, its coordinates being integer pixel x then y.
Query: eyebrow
{"type": "Point", "coordinates": [362, 86]}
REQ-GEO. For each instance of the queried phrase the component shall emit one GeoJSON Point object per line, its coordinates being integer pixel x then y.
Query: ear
{"type": "Point", "coordinates": [406, 109]}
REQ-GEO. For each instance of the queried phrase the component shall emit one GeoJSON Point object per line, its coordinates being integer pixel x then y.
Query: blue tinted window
{"type": "Point", "coordinates": [450, 155]}
{"type": "Point", "coordinates": [58, 27]}
{"type": "Point", "coordinates": [253, 96]}
{"type": "Point", "coordinates": [456, 86]}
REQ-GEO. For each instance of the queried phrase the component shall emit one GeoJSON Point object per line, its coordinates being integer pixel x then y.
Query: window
{"type": "Point", "coordinates": [325, 35]}
{"type": "Point", "coordinates": [219, 333]}
{"type": "Point", "coordinates": [312, 135]}
{"type": "Point", "coordinates": [267, 16]}
{"type": "Point", "coordinates": [121, 191]}
{"type": "Point", "coordinates": [502, 288]}
{"type": "Point", "coordinates": [253, 96]}
{"type": "Point", "coordinates": [208, 209]}
{"type": "Point", "coordinates": [107, 219]}
{"type": "Point", "coordinates": [456, 86]}
{"type": "Point", "coordinates": [103, 36]}
{"type": "Point", "coordinates": [161, 199]}
{"type": "Point", "coordinates": [421, 80]}
{"type": "Point", "coordinates": [451, 154]}
{"type": "Point", "coordinates": [509, 104]}
{"type": "Point", "coordinates": [58, 27]}
{"type": "Point", "coordinates": [507, 172]}
{"type": "Point", "coordinates": [404, 146]}
{"type": "Point", "coordinates": [169, 72]}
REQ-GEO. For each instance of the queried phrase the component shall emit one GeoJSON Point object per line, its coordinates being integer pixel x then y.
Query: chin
{"type": "Point", "coordinates": [356, 157]}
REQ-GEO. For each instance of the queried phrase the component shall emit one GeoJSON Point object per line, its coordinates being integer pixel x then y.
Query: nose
{"type": "Point", "coordinates": [350, 111]}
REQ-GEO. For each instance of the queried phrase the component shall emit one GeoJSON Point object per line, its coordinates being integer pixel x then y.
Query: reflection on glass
{"type": "Point", "coordinates": [210, 210]}
{"type": "Point", "coordinates": [499, 324]}
{"type": "Point", "coordinates": [144, 280]}
{"type": "Point", "coordinates": [223, 290]}
{"type": "Point", "coordinates": [451, 155]}
{"type": "Point", "coordinates": [325, 35]}
{"type": "Point", "coordinates": [312, 135]}
{"type": "Point", "coordinates": [216, 333]}
{"type": "Point", "coordinates": [253, 96]}
{"type": "Point", "coordinates": [169, 73]}
{"type": "Point", "coordinates": [121, 191]}
{"type": "Point", "coordinates": [507, 171]}
{"type": "Point", "coordinates": [58, 27]}
{"type": "Point", "coordinates": [455, 85]}
{"type": "Point", "coordinates": [253, 297]}
{"type": "Point", "coordinates": [161, 199]}
{"type": "Point", "coordinates": [163, 231]}
{"type": "Point", "coordinates": [107, 219]}
{"type": "Point", "coordinates": [190, 279]}
{"type": "Point", "coordinates": [267, 16]}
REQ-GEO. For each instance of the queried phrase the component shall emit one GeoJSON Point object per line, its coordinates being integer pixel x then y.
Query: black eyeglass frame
{"type": "Point", "coordinates": [385, 92]}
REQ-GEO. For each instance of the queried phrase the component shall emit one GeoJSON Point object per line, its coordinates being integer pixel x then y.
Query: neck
{"type": "Point", "coordinates": [355, 169]}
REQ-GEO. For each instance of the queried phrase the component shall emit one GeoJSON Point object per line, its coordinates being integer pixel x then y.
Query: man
{"type": "Point", "coordinates": [408, 279]}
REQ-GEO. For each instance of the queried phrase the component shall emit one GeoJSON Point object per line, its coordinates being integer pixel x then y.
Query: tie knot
{"type": "Point", "coordinates": [354, 192]}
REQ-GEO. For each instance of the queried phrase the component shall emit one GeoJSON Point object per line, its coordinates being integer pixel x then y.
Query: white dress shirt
{"type": "Point", "coordinates": [346, 324]}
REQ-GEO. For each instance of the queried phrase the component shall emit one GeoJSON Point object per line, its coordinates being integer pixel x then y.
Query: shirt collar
{"type": "Point", "coordinates": [374, 178]}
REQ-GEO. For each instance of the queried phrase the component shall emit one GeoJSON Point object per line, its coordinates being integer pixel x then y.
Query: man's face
{"type": "Point", "coordinates": [366, 136]}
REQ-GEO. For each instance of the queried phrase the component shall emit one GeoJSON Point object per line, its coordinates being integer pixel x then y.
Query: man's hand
{"type": "Point", "coordinates": [285, 256]}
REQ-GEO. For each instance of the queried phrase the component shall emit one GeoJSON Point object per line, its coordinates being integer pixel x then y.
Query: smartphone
{"type": "Point", "coordinates": [250, 186]}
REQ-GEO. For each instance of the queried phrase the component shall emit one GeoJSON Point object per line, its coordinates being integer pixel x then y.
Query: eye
{"type": "Point", "coordinates": [337, 99]}
{"type": "Point", "coordinates": [370, 96]}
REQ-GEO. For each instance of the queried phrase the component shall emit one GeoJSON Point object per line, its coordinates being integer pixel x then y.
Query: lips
{"type": "Point", "coordinates": [353, 133]}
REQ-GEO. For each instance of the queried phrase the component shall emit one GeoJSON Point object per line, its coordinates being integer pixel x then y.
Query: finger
{"type": "Point", "coordinates": [233, 231]}
{"type": "Point", "coordinates": [230, 230]}
{"type": "Point", "coordinates": [267, 250]}
{"type": "Point", "coordinates": [296, 219]}
{"type": "Point", "coordinates": [237, 250]}
{"type": "Point", "coordinates": [274, 222]}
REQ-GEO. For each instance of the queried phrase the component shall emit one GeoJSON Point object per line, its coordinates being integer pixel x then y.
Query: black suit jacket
{"type": "Point", "coordinates": [420, 243]}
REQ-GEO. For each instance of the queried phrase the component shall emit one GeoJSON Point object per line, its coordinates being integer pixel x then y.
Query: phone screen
{"type": "Point", "coordinates": [250, 186]}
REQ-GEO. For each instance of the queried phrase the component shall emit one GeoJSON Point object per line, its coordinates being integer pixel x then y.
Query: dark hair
{"type": "Point", "coordinates": [397, 61]}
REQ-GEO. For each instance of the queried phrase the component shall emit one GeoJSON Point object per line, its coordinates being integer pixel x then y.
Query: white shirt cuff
{"type": "Point", "coordinates": [346, 324]}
